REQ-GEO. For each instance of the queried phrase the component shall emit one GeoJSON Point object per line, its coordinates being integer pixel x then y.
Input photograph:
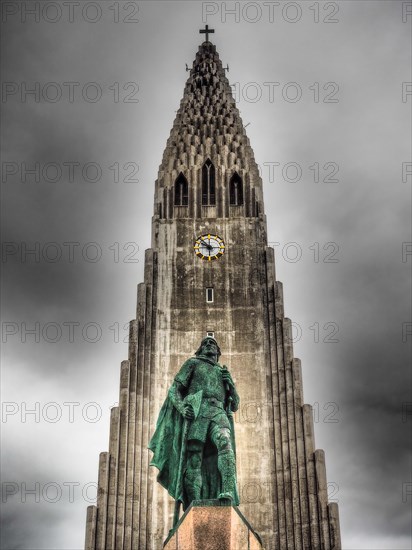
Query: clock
{"type": "Point", "coordinates": [209, 247]}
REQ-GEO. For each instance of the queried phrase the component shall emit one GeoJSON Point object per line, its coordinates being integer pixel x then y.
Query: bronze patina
{"type": "Point", "coordinates": [194, 442]}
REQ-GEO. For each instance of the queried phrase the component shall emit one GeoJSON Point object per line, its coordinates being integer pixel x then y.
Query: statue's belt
{"type": "Point", "coordinates": [215, 402]}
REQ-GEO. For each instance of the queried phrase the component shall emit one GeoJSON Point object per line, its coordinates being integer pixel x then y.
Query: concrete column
{"type": "Point", "coordinates": [133, 335]}
{"type": "Point", "coordinates": [112, 497]}
{"type": "Point", "coordinates": [288, 353]}
{"type": "Point", "coordinates": [140, 316]}
{"type": "Point", "coordinates": [297, 383]}
{"type": "Point", "coordinates": [288, 507]}
{"type": "Point", "coordinates": [270, 261]}
{"type": "Point", "coordinates": [144, 506]}
{"type": "Point", "coordinates": [311, 476]}
{"type": "Point", "coordinates": [273, 404]}
{"type": "Point", "coordinates": [121, 471]}
{"type": "Point", "coordinates": [102, 497]}
{"type": "Point", "coordinates": [278, 314]}
{"type": "Point", "coordinates": [131, 436]}
{"type": "Point", "coordinates": [280, 310]}
{"type": "Point", "coordinates": [300, 452]}
{"type": "Point", "coordinates": [334, 525]}
{"type": "Point", "coordinates": [91, 518]}
{"type": "Point", "coordinates": [152, 367]}
{"type": "Point", "coordinates": [322, 489]}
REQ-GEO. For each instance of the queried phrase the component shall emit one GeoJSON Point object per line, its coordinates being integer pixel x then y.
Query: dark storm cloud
{"type": "Point", "coordinates": [367, 293]}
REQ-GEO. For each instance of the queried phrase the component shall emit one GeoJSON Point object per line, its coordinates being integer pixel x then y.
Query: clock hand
{"type": "Point", "coordinates": [207, 245]}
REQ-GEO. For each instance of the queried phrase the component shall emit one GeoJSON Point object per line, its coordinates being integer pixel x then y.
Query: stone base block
{"type": "Point", "coordinates": [213, 525]}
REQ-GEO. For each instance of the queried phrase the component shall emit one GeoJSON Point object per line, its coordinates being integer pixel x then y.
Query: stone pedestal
{"type": "Point", "coordinates": [213, 525]}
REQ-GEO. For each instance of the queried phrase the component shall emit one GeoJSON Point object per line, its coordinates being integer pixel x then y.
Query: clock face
{"type": "Point", "coordinates": [209, 247]}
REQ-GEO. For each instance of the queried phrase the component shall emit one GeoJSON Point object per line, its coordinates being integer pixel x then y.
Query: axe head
{"type": "Point", "coordinates": [195, 399]}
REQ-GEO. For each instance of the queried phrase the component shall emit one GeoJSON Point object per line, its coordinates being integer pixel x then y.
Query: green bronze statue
{"type": "Point", "coordinates": [194, 442]}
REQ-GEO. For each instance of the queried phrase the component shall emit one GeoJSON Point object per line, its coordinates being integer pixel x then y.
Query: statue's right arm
{"type": "Point", "coordinates": [175, 396]}
{"type": "Point", "coordinates": [179, 388]}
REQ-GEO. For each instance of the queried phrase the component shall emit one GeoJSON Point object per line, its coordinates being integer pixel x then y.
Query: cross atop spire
{"type": "Point", "coordinates": [206, 31]}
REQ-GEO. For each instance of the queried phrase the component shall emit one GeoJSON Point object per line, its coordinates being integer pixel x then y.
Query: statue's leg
{"type": "Point", "coordinates": [193, 474]}
{"type": "Point", "coordinates": [226, 461]}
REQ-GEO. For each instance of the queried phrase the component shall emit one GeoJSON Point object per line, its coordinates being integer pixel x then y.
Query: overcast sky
{"type": "Point", "coordinates": [320, 88]}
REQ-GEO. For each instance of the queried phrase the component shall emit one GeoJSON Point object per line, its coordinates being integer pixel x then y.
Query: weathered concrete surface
{"type": "Point", "coordinates": [281, 476]}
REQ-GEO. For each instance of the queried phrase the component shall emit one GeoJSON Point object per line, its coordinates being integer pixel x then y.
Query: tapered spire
{"type": "Point", "coordinates": [208, 110]}
{"type": "Point", "coordinates": [208, 125]}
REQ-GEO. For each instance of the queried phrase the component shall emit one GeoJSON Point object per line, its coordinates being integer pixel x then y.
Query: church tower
{"type": "Point", "coordinates": [210, 270]}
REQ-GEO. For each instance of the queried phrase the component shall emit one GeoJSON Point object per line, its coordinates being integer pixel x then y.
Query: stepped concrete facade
{"type": "Point", "coordinates": [209, 185]}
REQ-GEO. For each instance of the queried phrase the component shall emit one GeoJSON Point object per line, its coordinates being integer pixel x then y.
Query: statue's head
{"type": "Point", "coordinates": [209, 348]}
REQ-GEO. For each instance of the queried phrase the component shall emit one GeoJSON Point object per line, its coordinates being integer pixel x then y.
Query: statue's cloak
{"type": "Point", "coordinates": [166, 445]}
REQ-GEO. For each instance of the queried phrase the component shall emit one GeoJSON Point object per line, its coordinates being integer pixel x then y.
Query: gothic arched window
{"type": "Point", "coordinates": [236, 190]}
{"type": "Point", "coordinates": [181, 191]}
{"type": "Point", "coordinates": [208, 184]}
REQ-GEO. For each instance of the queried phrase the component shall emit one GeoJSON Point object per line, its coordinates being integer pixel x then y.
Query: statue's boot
{"type": "Point", "coordinates": [227, 467]}
{"type": "Point", "coordinates": [193, 484]}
